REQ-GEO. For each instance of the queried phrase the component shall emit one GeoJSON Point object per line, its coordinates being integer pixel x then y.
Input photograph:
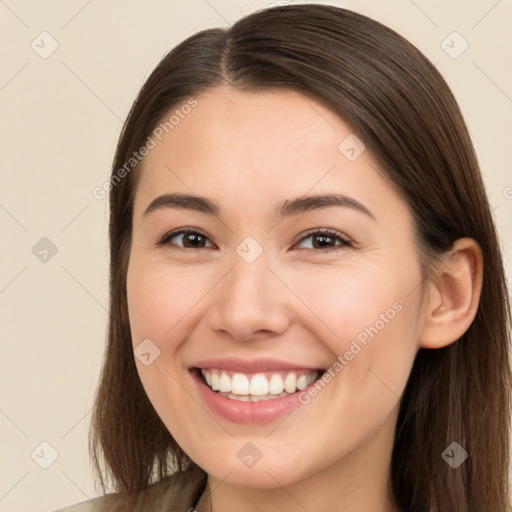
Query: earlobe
{"type": "Point", "coordinates": [454, 295]}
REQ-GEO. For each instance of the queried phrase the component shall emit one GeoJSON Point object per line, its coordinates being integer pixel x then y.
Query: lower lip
{"type": "Point", "coordinates": [251, 413]}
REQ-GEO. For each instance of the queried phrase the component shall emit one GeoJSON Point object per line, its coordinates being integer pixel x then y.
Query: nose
{"type": "Point", "coordinates": [250, 302]}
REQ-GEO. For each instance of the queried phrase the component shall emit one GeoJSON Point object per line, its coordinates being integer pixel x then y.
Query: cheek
{"type": "Point", "coordinates": [347, 300]}
{"type": "Point", "coordinates": [157, 300]}
{"type": "Point", "coordinates": [366, 317]}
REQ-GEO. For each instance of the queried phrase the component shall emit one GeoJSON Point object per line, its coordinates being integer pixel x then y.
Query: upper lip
{"type": "Point", "coordinates": [252, 365]}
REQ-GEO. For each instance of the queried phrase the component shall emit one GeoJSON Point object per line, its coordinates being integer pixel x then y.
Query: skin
{"type": "Point", "coordinates": [248, 152]}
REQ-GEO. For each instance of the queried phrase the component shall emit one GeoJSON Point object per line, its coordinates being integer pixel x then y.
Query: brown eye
{"type": "Point", "coordinates": [190, 239]}
{"type": "Point", "coordinates": [326, 240]}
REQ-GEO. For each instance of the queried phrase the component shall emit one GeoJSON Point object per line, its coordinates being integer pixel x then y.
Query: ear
{"type": "Point", "coordinates": [454, 295]}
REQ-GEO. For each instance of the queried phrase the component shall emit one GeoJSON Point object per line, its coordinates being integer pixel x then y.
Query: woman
{"type": "Point", "coordinates": [308, 308]}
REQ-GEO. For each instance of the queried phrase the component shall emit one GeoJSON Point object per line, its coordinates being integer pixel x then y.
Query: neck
{"type": "Point", "coordinates": [356, 483]}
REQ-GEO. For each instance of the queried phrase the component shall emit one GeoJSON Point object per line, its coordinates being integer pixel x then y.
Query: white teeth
{"type": "Point", "coordinates": [302, 382]}
{"type": "Point", "coordinates": [215, 380]}
{"type": "Point", "coordinates": [276, 384]}
{"type": "Point", "coordinates": [250, 398]}
{"type": "Point", "coordinates": [290, 383]}
{"type": "Point", "coordinates": [259, 385]}
{"type": "Point", "coordinates": [225, 383]}
{"type": "Point", "coordinates": [240, 386]}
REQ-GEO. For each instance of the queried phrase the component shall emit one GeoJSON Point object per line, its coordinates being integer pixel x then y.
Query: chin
{"type": "Point", "coordinates": [272, 470]}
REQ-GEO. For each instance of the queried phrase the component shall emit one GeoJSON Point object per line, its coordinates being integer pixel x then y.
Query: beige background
{"type": "Point", "coordinates": [61, 117]}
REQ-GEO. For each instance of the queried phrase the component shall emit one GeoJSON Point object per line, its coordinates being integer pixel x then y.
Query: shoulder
{"type": "Point", "coordinates": [180, 491]}
{"type": "Point", "coordinates": [103, 503]}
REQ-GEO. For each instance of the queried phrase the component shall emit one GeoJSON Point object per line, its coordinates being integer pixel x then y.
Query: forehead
{"type": "Point", "coordinates": [234, 120]}
{"type": "Point", "coordinates": [248, 147]}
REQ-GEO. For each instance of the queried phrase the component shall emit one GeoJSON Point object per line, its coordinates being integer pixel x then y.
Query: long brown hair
{"type": "Point", "coordinates": [398, 104]}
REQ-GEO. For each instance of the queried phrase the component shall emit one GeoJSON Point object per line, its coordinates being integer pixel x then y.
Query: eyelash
{"type": "Point", "coordinates": [345, 242]}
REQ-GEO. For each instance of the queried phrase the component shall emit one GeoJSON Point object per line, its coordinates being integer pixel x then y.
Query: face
{"type": "Point", "coordinates": [265, 294]}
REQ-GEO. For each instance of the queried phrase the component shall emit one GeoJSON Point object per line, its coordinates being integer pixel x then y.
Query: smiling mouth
{"type": "Point", "coordinates": [257, 387]}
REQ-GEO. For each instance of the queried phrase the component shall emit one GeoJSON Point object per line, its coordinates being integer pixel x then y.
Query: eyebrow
{"type": "Point", "coordinates": [285, 209]}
